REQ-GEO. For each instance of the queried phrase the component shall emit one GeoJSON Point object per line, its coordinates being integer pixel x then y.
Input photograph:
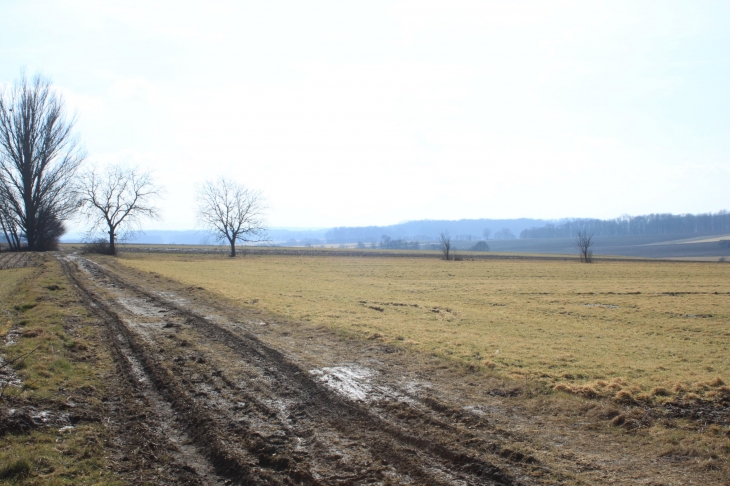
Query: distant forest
{"type": "Point", "coordinates": [650, 224]}
{"type": "Point", "coordinates": [429, 230]}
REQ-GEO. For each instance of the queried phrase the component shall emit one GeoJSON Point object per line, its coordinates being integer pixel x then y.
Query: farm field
{"type": "Point", "coordinates": [648, 331]}
{"type": "Point", "coordinates": [199, 369]}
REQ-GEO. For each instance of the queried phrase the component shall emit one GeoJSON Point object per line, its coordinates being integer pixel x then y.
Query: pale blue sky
{"type": "Point", "coordinates": [354, 113]}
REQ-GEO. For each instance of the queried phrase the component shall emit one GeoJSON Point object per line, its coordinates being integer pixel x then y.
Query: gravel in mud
{"type": "Point", "coordinates": [227, 396]}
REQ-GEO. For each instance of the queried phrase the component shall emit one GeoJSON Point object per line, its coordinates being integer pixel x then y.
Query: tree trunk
{"type": "Point", "coordinates": [30, 229]}
{"type": "Point", "coordinates": [233, 248]}
{"type": "Point", "coordinates": [112, 248]}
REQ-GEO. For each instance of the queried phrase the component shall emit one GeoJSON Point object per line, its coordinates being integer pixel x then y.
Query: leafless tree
{"type": "Point", "coordinates": [39, 156]}
{"type": "Point", "coordinates": [504, 234]}
{"type": "Point", "coordinates": [445, 244]}
{"type": "Point", "coordinates": [232, 211]}
{"type": "Point", "coordinates": [583, 242]}
{"type": "Point", "coordinates": [117, 199]}
{"type": "Point", "coordinates": [487, 233]}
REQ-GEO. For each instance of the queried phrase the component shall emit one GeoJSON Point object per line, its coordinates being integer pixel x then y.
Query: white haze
{"type": "Point", "coordinates": [358, 113]}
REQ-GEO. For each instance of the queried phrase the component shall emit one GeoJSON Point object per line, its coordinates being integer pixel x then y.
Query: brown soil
{"type": "Point", "coordinates": [210, 393]}
{"type": "Point", "coordinates": [16, 260]}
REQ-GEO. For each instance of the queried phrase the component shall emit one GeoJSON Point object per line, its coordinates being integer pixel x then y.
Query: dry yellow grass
{"type": "Point", "coordinates": [647, 329]}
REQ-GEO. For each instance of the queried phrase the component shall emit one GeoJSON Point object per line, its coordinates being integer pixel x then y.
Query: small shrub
{"type": "Point", "coordinates": [99, 247]}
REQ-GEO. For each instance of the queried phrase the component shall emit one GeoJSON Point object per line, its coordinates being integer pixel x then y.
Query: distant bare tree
{"type": "Point", "coordinates": [445, 244]}
{"type": "Point", "coordinates": [504, 234]}
{"type": "Point", "coordinates": [38, 159]}
{"type": "Point", "coordinates": [583, 242]}
{"type": "Point", "coordinates": [487, 233]}
{"type": "Point", "coordinates": [117, 199]}
{"type": "Point", "coordinates": [233, 212]}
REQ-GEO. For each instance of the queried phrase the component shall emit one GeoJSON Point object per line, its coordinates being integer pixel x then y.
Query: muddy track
{"type": "Point", "coordinates": [153, 430]}
{"type": "Point", "coordinates": [255, 417]}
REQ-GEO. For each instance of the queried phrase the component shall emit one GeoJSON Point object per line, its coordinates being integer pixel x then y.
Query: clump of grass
{"type": "Point", "coordinates": [716, 382]}
{"type": "Point", "coordinates": [75, 345]}
{"type": "Point", "coordinates": [585, 391]}
{"type": "Point", "coordinates": [24, 307]}
{"type": "Point", "coordinates": [18, 469]}
{"type": "Point", "coordinates": [31, 333]}
{"type": "Point", "coordinates": [61, 365]}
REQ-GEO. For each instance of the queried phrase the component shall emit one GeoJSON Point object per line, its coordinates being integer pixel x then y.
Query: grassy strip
{"type": "Point", "coordinates": [43, 320]}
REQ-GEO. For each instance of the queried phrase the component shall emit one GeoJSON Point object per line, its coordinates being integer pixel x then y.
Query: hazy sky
{"type": "Point", "coordinates": [355, 113]}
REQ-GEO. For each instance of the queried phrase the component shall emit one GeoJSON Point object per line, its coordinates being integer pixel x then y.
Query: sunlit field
{"type": "Point", "coordinates": [645, 330]}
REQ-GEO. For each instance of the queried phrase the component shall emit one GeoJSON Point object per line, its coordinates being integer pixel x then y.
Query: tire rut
{"type": "Point", "coordinates": [130, 357]}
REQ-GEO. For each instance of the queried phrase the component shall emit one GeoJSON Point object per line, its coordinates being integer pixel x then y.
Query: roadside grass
{"type": "Point", "coordinates": [60, 374]}
{"type": "Point", "coordinates": [632, 331]}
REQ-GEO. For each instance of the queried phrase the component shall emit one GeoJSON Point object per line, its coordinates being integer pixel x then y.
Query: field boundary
{"type": "Point", "coordinates": [430, 254]}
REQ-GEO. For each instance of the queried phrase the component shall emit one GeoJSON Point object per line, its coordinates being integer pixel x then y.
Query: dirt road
{"type": "Point", "coordinates": [232, 397]}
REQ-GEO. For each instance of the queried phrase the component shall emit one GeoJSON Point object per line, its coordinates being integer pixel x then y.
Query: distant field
{"type": "Point", "coordinates": [600, 328]}
{"type": "Point", "coordinates": [706, 247]}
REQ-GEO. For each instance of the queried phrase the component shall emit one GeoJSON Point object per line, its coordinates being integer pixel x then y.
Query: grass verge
{"type": "Point", "coordinates": [52, 410]}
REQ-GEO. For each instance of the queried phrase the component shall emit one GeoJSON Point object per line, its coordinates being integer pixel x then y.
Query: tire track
{"type": "Point", "coordinates": [141, 371]}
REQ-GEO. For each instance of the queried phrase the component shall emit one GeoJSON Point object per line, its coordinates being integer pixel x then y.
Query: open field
{"type": "Point", "coordinates": [641, 328]}
{"type": "Point", "coordinates": [318, 370]}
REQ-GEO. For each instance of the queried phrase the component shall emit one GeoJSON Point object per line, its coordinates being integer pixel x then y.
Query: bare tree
{"type": "Point", "coordinates": [233, 212]}
{"type": "Point", "coordinates": [583, 242]}
{"type": "Point", "coordinates": [487, 233]}
{"type": "Point", "coordinates": [445, 244]}
{"type": "Point", "coordinates": [504, 234]}
{"type": "Point", "coordinates": [38, 159]}
{"type": "Point", "coordinates": [117, 199]}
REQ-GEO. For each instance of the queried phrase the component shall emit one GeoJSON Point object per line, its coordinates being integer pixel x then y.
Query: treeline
{"type": "Point", "coordinates": [429, 230]}
{"type": "Point", "coordinates": [650, 224]}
